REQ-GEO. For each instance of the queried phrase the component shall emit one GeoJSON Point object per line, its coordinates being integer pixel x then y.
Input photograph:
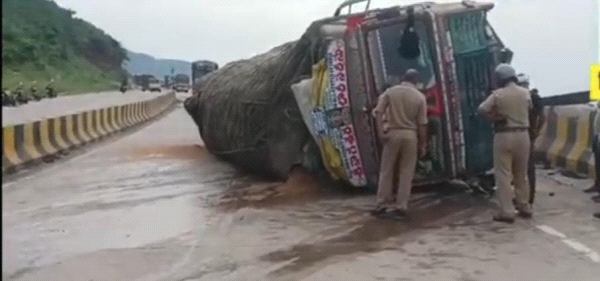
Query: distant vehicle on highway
{"type": "Point", "coordinates": [154, 85]}
{"type": "Point", "coordinates": [148, 82]}
{"type": "Point", "coordinates": [199, 69]}
{"type": "Point", "coordinates": [181, 83]}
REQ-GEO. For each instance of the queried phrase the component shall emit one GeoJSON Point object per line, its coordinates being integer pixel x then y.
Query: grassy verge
{"type": "Point", "coordinates": [73, 77]}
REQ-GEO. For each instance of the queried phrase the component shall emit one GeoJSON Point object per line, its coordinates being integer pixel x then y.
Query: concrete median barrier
{"type": "Point", "coordinates": [24, 144]}
{"type": "Point", "coordinates": [566, 139]}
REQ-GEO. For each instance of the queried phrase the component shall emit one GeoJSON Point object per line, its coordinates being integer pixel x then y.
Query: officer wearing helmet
{"type": "Point", "coordinates": [508, 108]}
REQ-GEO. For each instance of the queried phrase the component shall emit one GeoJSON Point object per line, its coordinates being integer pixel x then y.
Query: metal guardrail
{"type": "Point", "coordinates": [567, 99]}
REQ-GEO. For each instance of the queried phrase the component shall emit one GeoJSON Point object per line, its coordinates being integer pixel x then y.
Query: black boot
{"type": "Point", "coordinates": [378, 211]}
{"type": "Point", "coordinates": [399, 215]}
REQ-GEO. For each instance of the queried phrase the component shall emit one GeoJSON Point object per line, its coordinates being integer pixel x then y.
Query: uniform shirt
{"type": "Point", "coordinates": [512, 103]}
{"type": "Point", "coordinates": [404, 107]}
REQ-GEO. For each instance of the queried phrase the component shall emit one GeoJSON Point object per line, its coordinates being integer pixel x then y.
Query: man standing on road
{"type": "Point", "coordinates": [596, 150]}
{"type": "Point", "coordinates": [508, 107]}
{"type": "Point", "coordinates": [403, 136]}
{"type": "Point", "coordinates": [536, 121]}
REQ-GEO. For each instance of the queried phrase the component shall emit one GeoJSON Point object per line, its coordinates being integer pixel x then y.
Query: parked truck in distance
{"type": "Point", "coordinates": [154, 84]}
{"type": "Point", "coordinates": [181, 83]}
{"type": "Point", "coordinates": [199, 69]}
{"type": "Point", "coordinates": [147, 82]}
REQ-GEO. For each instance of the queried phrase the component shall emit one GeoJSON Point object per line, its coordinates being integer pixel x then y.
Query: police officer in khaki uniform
{"type": "Point", "coordinates": [508, 107]}
{"type": "Point", "coordinates": [403, 133]}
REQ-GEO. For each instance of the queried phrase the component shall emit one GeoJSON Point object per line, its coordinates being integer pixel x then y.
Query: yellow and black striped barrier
{"type": "Point", "coordinates": [566, 139]}
{"type": "Point", "coordinates": [25, 143]}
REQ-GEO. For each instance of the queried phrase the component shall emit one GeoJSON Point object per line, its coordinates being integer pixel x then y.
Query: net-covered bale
{"type": "Point", "coordinates": [246, 111]}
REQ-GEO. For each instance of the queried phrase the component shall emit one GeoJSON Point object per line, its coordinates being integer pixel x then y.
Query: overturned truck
{"type": "Point", "coordinates": [308, 102]}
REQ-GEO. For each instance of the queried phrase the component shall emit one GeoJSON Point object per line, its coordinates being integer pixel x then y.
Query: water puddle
{"type": "Point", "coordinates": [184, 152]}
{"type": "Point", "coordinates": [301, 186]}
{"type": "Point", "coordinates": [367, 234]}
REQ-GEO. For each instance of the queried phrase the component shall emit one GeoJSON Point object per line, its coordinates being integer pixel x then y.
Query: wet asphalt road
{"type": "Point", "coordinates": [154, 205]}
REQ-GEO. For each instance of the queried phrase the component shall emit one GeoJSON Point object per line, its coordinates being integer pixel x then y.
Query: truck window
{"type": "Point", "coordinates": [385, 43]}
{"type": "Point", "coordinates": [491, 34]}
{"type": "Point", "coordinates": [469, 32]}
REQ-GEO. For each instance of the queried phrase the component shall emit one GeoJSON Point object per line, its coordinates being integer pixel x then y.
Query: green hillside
{"type": "Point", "coordinates": [42, 41]}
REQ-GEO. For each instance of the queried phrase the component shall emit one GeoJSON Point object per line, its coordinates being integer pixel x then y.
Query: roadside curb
{"type": "Point", "coordinates": [30, 143]}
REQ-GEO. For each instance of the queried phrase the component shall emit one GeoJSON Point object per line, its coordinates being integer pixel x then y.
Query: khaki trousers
{"type": "Point", "coordinates": [511, 156]}
{"type": "Point", "coordinates": [399, 155]}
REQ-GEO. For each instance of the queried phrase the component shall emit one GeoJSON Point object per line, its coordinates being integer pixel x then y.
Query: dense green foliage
{"type": "Point", "coordinates": [42, 41]}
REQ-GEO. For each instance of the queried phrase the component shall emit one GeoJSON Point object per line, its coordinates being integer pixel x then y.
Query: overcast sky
{"type": "Point", "coordinates": [555, 41]}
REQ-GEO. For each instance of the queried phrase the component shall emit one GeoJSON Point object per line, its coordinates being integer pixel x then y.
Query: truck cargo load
{"type": "Point", "coordinates": [308, 102]}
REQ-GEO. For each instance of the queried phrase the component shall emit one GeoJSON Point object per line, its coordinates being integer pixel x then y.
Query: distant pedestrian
{"type": "Point", "coordinates": [404, 140]}
{"type": "Point", "coordinates": [508, 107]}
{"type": "Point", "coordinates": [596, 150]}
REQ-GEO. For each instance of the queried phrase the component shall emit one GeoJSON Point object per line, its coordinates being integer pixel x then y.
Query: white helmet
{"type": "Point", "coordinates": [523, 78]}
{"type": "Point", "coordinates": [505, 71]}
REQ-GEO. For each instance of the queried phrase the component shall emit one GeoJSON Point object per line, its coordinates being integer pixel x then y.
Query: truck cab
{"type": "Point", "coordinates": [458, 51]}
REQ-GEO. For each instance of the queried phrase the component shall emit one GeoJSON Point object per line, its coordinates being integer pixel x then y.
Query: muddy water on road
{"type": "Point", "coordinates": [156, 205]}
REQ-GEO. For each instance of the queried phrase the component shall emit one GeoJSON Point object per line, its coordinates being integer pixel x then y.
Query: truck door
{"type": "Point", "coordinates": [474, 65]}
{"type": "Point", "coordinates": [387, 65]}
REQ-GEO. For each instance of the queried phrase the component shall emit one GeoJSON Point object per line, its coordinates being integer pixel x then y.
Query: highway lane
{"type": "Point", "coordinates": [63, 105]}
{"type": "Point", "coordinates": [155, 205]}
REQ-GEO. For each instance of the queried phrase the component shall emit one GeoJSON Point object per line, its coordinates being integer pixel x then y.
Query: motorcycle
{"type": "Point", "coordinates": [50, 93]}
{"type": "Point", "coordinates": [35, 95]}
{"type": "Point", "coordinates": [8, 99]}
{"type": "Point", "coordinates": [21, 98]}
